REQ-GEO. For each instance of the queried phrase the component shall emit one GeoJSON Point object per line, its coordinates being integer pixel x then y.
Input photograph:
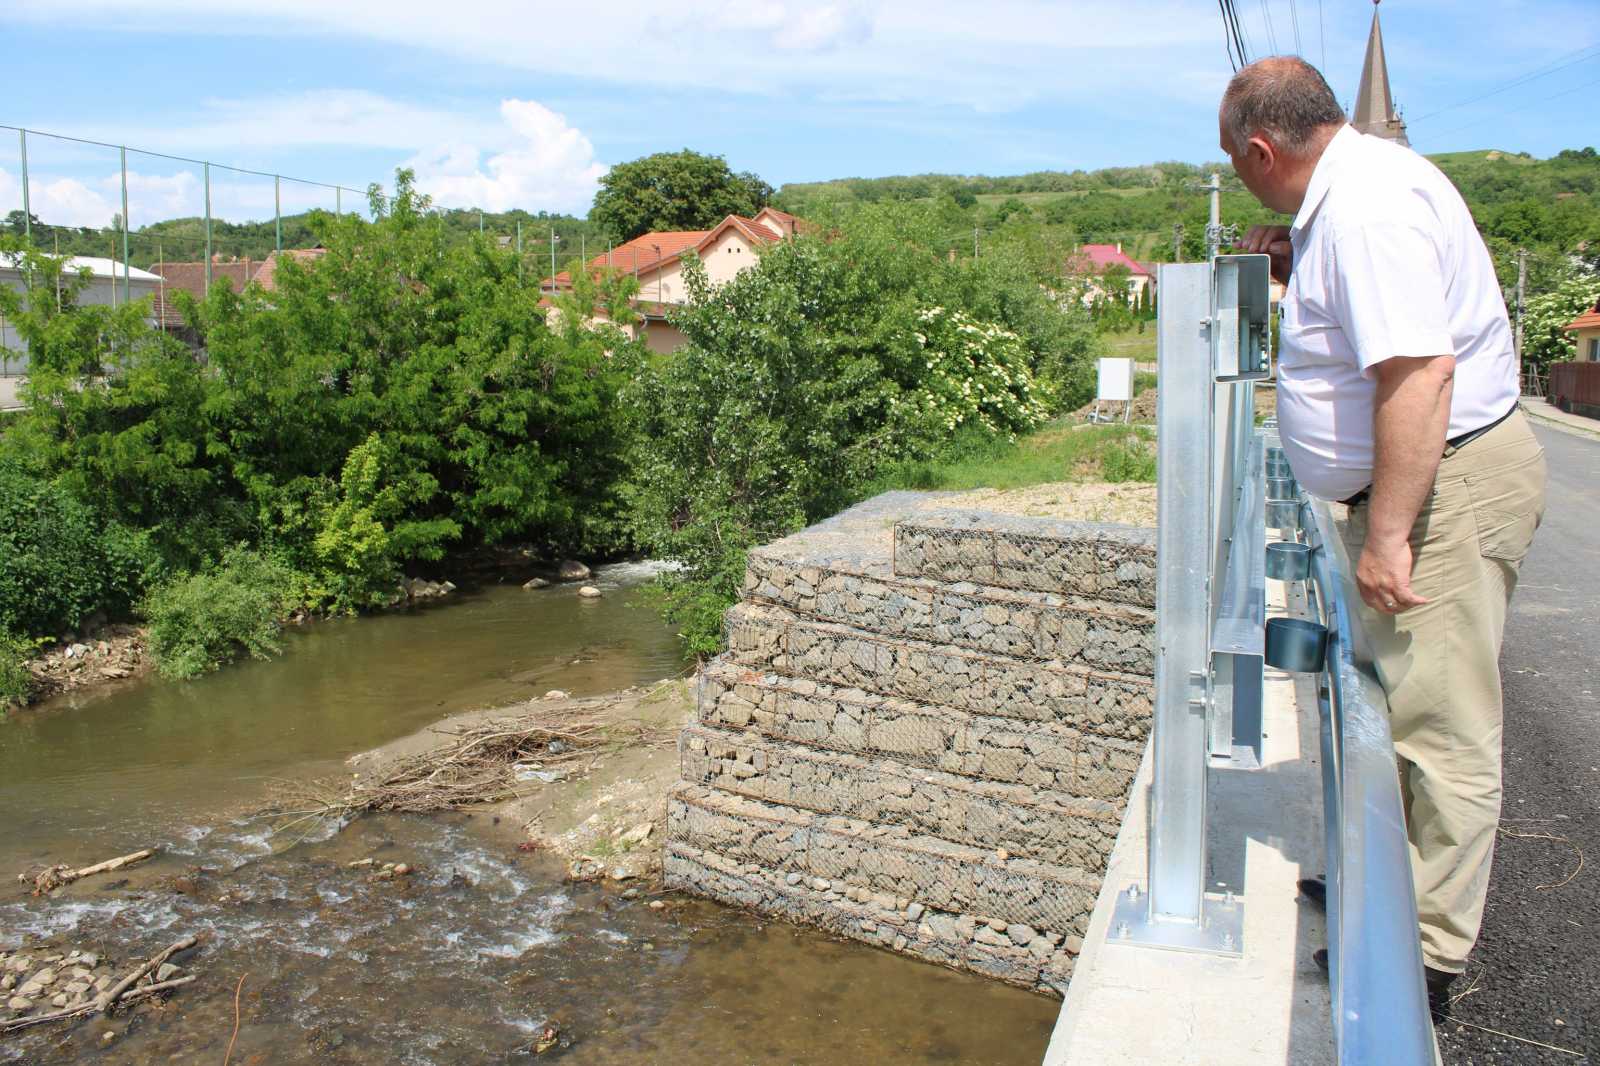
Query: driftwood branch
{"type": "Point", "coordinates": [109, 1000]}
{"type": "Point", "coordinates": [53, 877]}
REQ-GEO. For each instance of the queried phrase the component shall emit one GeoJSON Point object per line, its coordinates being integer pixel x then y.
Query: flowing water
{"type": "Point", "coordinates": [468, 960]}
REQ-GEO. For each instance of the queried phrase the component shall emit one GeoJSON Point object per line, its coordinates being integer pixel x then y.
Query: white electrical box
{"type": "Point", "coordinates": [1116, 380]}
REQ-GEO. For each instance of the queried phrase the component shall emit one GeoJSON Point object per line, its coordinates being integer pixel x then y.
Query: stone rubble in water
{"type": "Point", "coordinates": [31, 981]}
{"type": "Point", "coordinates": [420, 589]}
{"type": "Point", "coordinates": [589, 592]}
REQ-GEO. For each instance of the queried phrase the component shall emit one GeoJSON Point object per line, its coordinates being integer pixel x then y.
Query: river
{"type": "Point", "coordinates": [468, 960]}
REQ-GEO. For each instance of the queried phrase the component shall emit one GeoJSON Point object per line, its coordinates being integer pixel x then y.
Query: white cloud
{"type": "Point", "coordinates": [548, 165]}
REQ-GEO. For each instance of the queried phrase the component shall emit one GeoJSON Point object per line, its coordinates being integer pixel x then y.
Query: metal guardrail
{"type": "Point", "coordinates": [1221, 484]}
{"type": "Point", "coordinates": [1380, 1004]}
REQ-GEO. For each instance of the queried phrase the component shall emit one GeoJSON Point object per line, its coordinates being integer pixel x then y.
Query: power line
{"type": "Point", "coordinates": [1534, 75]}
{"type": "Point", "coordinates": [1233, 35]}
{"type": "Point", "coordinates": [1272, 34]}
{"type": "Point", "coordinates": [1294, 18]}
{"type": "Point", "coordinates": [1506, 111]}
{"type": "Point", "coordinates": [1322, 36]}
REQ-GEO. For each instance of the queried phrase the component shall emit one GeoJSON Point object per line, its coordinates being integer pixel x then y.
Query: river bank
{"type": "Point", "coordinates": [108, 652]}
{"type": "Point", "coordinates": [487, 939]}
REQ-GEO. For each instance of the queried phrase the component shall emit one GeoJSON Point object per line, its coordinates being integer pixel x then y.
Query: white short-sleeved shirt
{"type": "Point", "coordinates": [1387, 262]}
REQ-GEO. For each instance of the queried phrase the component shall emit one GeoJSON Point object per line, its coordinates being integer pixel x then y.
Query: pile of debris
{"type": "Point", "coordinates": [495, 760]}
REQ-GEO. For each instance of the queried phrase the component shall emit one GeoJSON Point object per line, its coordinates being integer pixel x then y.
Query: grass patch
{"type": "Point", "coordinates": [1131, 344]}
{"type": "Point", "coordinates": [1060, 451]}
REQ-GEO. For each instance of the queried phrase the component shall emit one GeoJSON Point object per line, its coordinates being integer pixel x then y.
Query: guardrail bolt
{"type": "Point", "coordinates": [1122, 931]}
{"type": "Point", "coordinates": [1227, 940]}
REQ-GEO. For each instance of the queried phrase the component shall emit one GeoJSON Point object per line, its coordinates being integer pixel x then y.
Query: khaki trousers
{"type": "Point", "coordinates": [1440, 666]}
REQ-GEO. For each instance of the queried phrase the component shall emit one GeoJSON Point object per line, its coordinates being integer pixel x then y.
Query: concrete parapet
{"type": "Point", "coordinates": [1033, 823]}
{"type": "Point", "coordinates": [776, 640]}
{"type": "Point", "coordinates": [1107, 562]}
{"type": "Point", "coordinates": [1044, 755]}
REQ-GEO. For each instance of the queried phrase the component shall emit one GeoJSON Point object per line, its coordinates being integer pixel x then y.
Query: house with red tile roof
{"type": "Point", "coordinates": [656, 260]}
{"type": "Point", "coordinates": [1093, 260]}
{"type": "Point", "coordinates": [1585, 330]}
{"type": "Point", "coordinates": [191, 278]}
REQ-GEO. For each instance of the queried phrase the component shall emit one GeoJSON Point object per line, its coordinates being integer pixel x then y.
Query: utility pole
{"type": "Point", "coordinates": [1522, 289]}
{"type": "Point", "coordinates": [1177, 242]}
{"type": "Point", "coordinates": [1214, 225]}
{"type": "Point", "coordinates": [553, 240]}
{"type": "Point", "coordinates": [974, 242]}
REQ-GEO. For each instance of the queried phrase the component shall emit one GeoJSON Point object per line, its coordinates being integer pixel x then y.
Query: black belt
{"type": "Point", "coordinates": [1457, 442]}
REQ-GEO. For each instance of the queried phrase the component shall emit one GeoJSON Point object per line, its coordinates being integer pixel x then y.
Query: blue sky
{"type": "Point", "coordinates": [502, 104]}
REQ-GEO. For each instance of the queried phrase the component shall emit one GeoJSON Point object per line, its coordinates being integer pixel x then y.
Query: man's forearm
{"type": "Point", "coordinates": [1410, 418]}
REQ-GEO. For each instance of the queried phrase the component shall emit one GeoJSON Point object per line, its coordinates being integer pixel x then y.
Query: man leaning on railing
{"type": "Point", "coordinates": [1397, 396]}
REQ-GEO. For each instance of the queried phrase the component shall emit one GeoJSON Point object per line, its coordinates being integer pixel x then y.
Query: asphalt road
{"type": "Point", "coordinates": [1536, 971]}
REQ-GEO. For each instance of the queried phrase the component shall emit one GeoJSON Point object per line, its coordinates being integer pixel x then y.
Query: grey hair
{"type": "Point", "coordinates": [1282, 97]}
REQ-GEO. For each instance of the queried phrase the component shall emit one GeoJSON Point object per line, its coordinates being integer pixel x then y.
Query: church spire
{"type": "Point", "coordinates": [1374, 110]}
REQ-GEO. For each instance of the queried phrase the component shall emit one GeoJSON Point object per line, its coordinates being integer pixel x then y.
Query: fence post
{"type": "Point", "coordinates": [27, 209]}
{"type": "Point", "coordinates": [208, 227]}
{"type": "Point", "coordinates": [127, 290]}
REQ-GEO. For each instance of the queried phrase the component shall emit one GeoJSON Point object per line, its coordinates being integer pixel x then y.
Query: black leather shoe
{"type": "Point", "coordinates": [1438, 992]}
{"type": "Point", "coordinates": [1438, 983]}
{"type": "Point", "coordinates": [1315, 890]}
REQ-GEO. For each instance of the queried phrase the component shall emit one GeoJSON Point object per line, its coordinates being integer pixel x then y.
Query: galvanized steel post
{"type": "Point", "coordinates": [1178, 799]}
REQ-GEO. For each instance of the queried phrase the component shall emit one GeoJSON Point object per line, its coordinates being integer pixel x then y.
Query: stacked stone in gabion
{"type": "Point", "coordinates": [923, 733]}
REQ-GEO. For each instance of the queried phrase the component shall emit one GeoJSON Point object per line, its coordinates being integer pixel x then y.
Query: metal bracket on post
{"type": "Point", "coordinates": [1240, 301]}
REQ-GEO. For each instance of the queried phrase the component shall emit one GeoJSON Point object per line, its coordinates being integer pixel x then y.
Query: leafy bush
{"type": "Point", "coordinates": [199, 621]}
{"type": "Point", "coordinates": [977, 374]}
{"type": "Point", "coordinates": [15, 680]}
{"type": "Point", "coordinates": [60, 562]}
{"type": "Point", "coordinates": [1545, 341]}
{"type": "Point", "coordinates": [1128, 460]}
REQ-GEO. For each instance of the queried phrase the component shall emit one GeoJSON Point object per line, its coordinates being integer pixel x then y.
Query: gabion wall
{"type": "Point", "coordinates": [923, 733]}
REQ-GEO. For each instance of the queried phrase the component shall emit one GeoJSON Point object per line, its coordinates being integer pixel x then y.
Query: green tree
{"type": "Point", "coordinates": [806, 375]}
{"type": "Point", "coordinates": [674, 191]}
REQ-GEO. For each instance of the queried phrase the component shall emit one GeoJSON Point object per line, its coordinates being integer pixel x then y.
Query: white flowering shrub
{"type": "Point", "coordinates": [971, 376]}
